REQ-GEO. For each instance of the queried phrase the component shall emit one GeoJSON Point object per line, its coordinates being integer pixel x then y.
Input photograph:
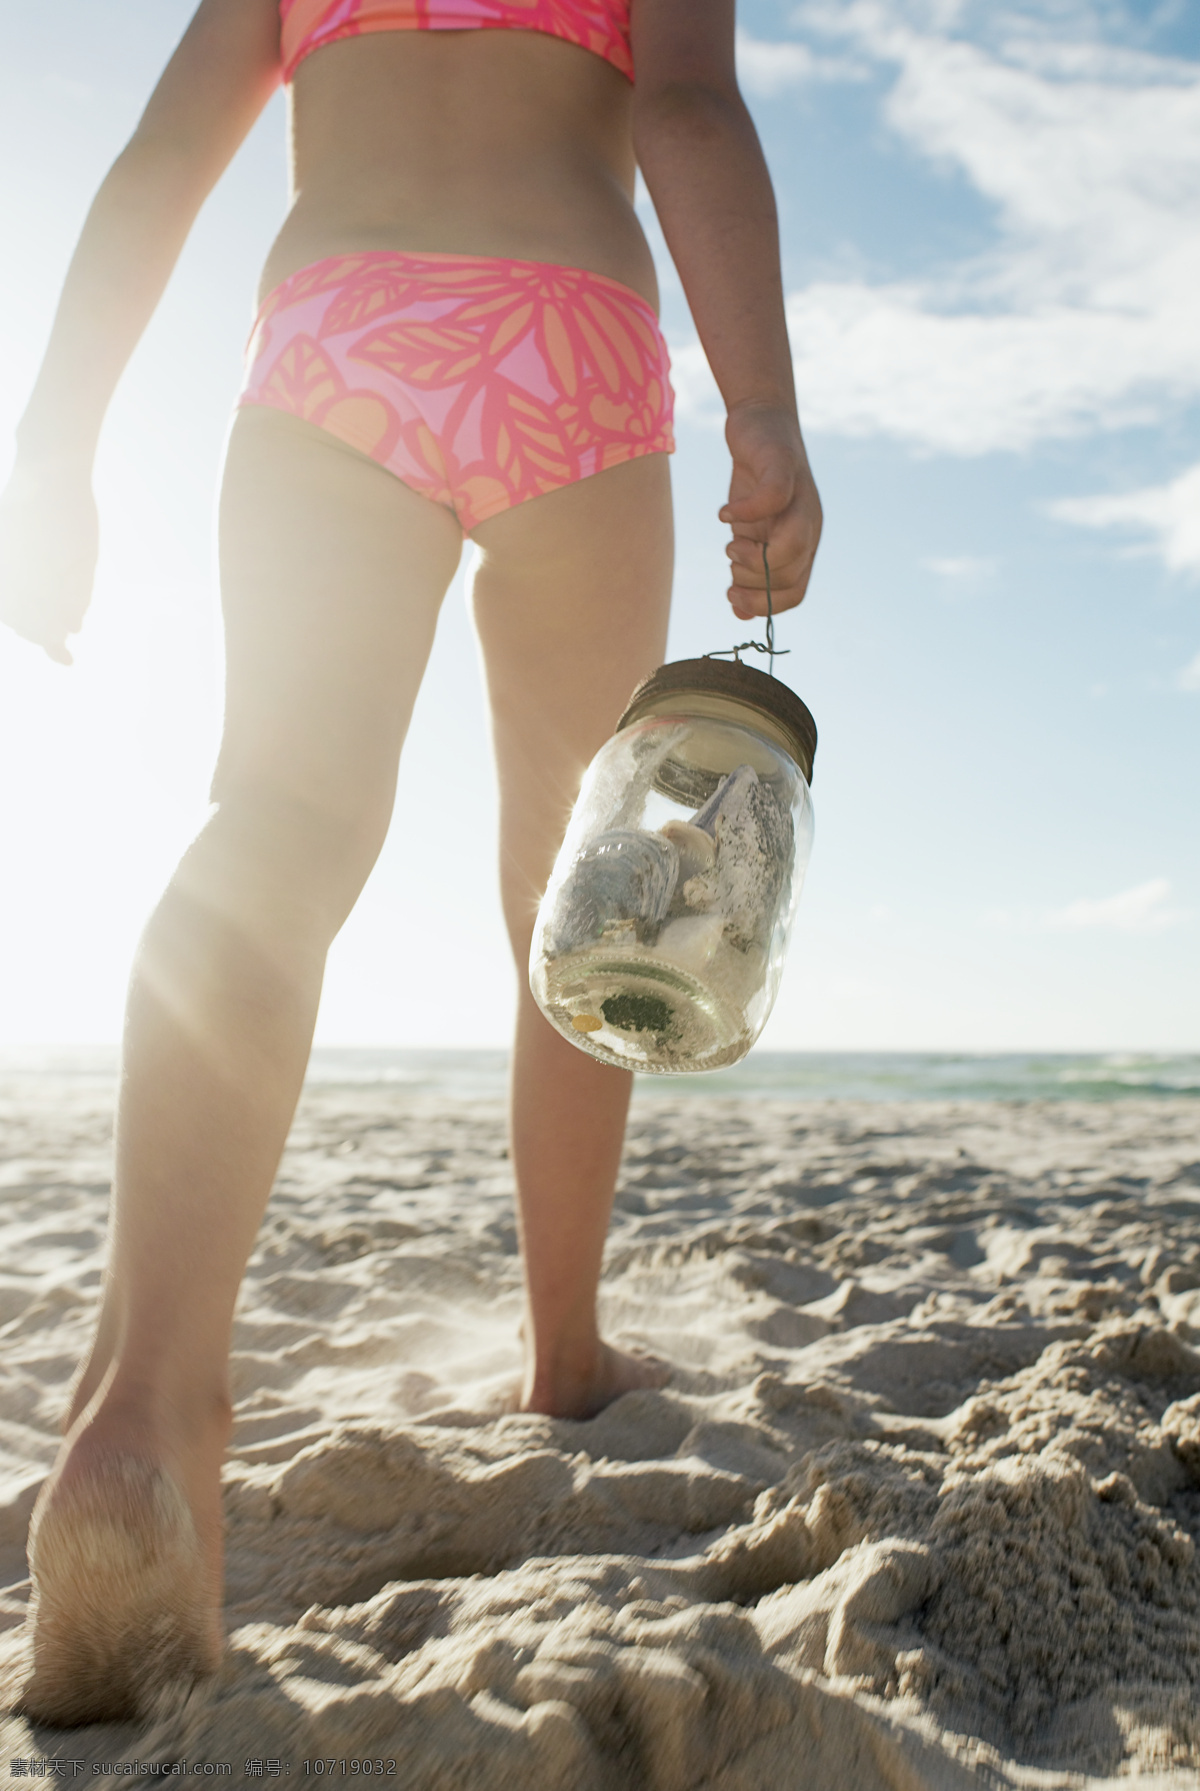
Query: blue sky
{"type": "Point", "coordinates": [991, 223]}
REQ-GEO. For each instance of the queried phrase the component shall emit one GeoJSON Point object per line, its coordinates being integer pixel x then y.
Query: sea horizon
{"type": "Point", "coordinates": [459, 1073]}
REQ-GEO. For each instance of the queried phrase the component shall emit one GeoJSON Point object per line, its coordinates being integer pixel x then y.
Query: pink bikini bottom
{"type": "Point", "coordinates": [478, 382]}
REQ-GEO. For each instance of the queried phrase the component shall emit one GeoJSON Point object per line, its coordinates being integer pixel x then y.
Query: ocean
{"type": "Point", "coordinates": [773, 1075]}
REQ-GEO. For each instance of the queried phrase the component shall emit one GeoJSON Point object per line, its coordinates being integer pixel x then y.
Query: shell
{"type": "Point", "coordinates": [727, 798]}
{"type": "Point", "coordinates": [620, 879]}
{"type": "Point", "coordinates": [755, 843]}
{"type": "Point", "coordinates": [695, 847]}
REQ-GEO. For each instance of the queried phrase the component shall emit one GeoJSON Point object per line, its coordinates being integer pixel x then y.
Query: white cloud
{"type": "Point", "coordinates": [1082, 313]}
{"type": "Point", "coordinates": [960, 569]}
{"type": "Point", "coordinates": [1146, 908]}
{"type": "Point", "coordinates": [1143, 909]}
{"type": "Point", "coordinates": [876, 360]}
{"type": "Point", "coordinates": [1189, 677]}
{"type": "Point", "coordinates": [1169, 513]}
{"type": "Point", "coordinates": [768, 69]}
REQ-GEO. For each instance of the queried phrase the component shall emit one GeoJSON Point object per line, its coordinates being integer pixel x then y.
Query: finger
{"type": "Point", "coordinates": [772, 494]}
{"type": "Point", "coordinates": [751, 606]}
{"type": "Point", "coordinates": [750, 571]}
{"type": "Point", "coordinates": [793, 528]}
{"type": "Point", "coordinates": [748, 601]}
{"type": "Point", "coordinates": [782, 556]}
{"type": "Point", "coordinates": [32, 629]}
{"type": "Point", "coordinates": [752, 536]}
{"type": "Point", "coordinates": [785, 574]}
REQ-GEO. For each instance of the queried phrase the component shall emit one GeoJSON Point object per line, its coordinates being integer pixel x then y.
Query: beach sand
{"type": "Point", "coordinates": [918, 1508]}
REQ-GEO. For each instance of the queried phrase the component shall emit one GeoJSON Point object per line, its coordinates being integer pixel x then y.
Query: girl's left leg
{"type": "Point", "coordinates": [332, 576]}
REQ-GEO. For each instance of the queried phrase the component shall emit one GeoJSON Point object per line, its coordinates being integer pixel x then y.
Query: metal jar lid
{"type": "Point", "coordinates": [726, 690]}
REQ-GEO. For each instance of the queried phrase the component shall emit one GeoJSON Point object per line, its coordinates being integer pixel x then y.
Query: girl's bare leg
{"type": "Point", "coordinates": [332, 575]}
{"type": "Point", "coordinates": [570, 596]}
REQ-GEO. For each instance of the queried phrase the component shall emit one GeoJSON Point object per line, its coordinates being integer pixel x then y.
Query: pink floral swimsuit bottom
{"type": "Point", "coordinates": [478, 382]}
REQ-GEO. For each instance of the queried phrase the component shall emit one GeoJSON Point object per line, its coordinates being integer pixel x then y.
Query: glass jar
{"type": "Point", "coordinates": [661, 937]}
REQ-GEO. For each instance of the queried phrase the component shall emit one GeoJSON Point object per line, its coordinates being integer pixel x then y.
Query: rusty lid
{"type": "Point", "coordinates": [726, 690]}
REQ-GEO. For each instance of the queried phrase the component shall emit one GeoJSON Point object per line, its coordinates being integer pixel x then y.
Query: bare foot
{"type": "Point", "coordinates": [586, 1388]}
{"type": "Point", "coordinates": [125, 1561]}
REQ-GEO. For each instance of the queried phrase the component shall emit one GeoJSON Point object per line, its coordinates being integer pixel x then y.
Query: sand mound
{"type": "Point", "coordinates": [918, 1508]}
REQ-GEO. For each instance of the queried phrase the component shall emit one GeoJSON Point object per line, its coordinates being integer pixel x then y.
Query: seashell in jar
{"type": "Point", "coordinates": [754, 840]}
{"type": "Point", "coordinates": [695, 847]}
{"type": "Point", "coordinates": [619, 888]}
{"type": "Point", "coordinates": [728, 798]}
{"type": "Point", "coordinates": [693, 941]}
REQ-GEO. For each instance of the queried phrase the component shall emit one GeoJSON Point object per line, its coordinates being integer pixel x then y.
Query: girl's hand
{"type": "Point", "coordinates": [772, 498]}
{"type": "Point", "coordinates": [49, 539]}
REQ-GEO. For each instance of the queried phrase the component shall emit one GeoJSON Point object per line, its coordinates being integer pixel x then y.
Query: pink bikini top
{"type": "Point", "coordinates": [601, 26]}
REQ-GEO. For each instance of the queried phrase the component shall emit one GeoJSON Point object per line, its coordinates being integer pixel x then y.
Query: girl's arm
{"type": "Point", "coordinates": [700, 154]}
{"type": "Point", "coordinates": [212, 90]}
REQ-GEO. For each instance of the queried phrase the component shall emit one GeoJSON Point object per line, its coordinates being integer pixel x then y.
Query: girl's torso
{"type": "Point", "coordinates": [499, 142]}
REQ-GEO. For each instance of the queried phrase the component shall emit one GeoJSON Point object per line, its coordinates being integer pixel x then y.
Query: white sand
{"type": "Point", "coordinates": [919, 1507]}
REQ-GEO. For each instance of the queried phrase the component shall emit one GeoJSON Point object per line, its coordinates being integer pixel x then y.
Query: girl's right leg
{"type": "Point", "coordinates": [332, 576]}
{"type": "Point", "coordinates": [571, 595]}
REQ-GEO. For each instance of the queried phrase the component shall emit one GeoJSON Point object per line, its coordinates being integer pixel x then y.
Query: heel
{"type": "Point", "coordinates": [118, 1611]}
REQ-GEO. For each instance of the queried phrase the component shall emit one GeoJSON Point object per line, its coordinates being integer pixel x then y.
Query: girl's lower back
{"type": "Point", "coordinates": [504, 143]}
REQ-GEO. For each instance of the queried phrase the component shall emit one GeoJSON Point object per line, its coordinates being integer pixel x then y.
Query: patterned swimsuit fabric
{"type": "Point", "coordinates": [478, 381]}
{"type": "Point", "coordinates": [601, 26]}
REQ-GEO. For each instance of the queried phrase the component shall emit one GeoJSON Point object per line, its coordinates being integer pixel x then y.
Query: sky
{"type": "Point", "coordinates": [990, 219]}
